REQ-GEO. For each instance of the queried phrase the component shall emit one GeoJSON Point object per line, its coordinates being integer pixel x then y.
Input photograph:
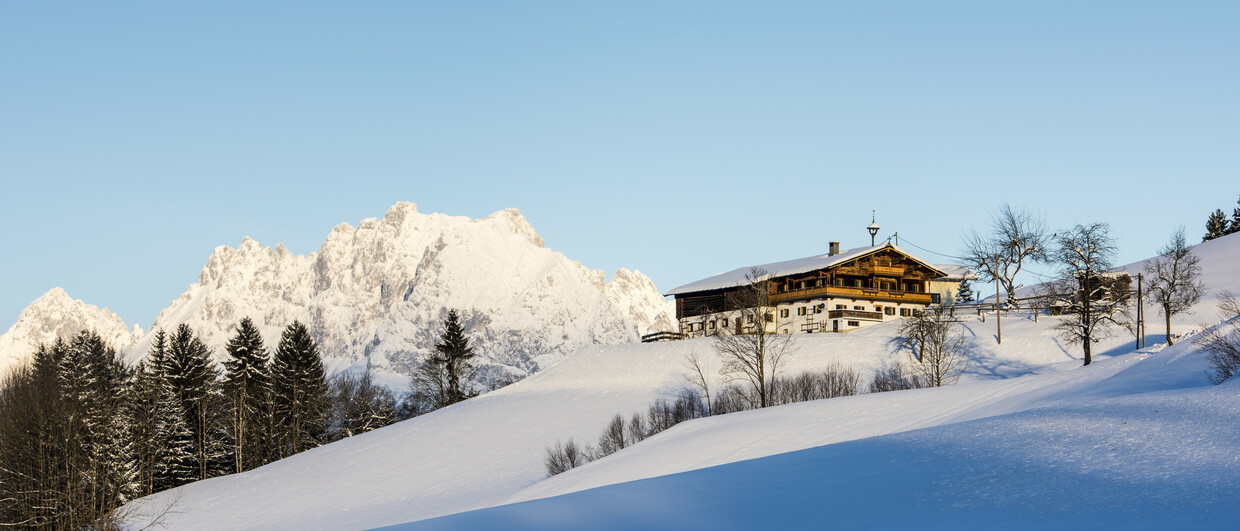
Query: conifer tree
{"type": "Point", "coordinates": [175, 462]}
{"type": "Point", "coordinates": [298, 392]}
{"type": "Point", "coordinates": [190, 377]}
{"type": "Point", "coordinates": [456, 357]}
{"type": "Point", "coordinates": [100, 452]}
{"type": "Point", "coordinates": [1216, 226]}
{"type": "Point", "coordinates": [1235, 220]}
{"type": "Point", "coordinates": [965, 294]}
{"type": "Point", "coordinates": [246, 384]}
{"type": "Point", "coordinates": [148, 387]}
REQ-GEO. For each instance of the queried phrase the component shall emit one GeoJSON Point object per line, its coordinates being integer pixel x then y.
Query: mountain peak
{"type": "Point", "coordinates": [56, 315]}
{"type": "Point", "coordinates": [510, 219]}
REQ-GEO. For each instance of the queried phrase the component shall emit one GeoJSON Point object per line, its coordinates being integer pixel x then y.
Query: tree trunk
{"type": "Point", "coordinates": [1168, 316]}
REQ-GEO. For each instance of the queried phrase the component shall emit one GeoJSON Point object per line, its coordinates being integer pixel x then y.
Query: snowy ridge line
{"type": "Point", "coordinates": [379, 291]}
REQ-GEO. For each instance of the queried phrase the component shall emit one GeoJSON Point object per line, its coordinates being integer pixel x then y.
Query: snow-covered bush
{"type": "Point", "coordinates": [1221, 344]}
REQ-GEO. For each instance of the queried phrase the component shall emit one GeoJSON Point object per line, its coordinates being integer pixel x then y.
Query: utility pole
{"type": "Point", "coordinates": [1140, 314]}
{"type": "Point", "coordinates": [998, 323]}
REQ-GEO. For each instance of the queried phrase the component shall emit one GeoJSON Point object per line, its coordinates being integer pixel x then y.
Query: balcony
{"type": "Point", "coordinates": [855, 314]}
{"type": "Point", "coordinates": [887, 271]}
{"type": "Point", "coordinates": [886, 295]}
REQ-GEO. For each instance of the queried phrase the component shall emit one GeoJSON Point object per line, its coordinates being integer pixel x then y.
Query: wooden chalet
{"type": "Point", "coordinates": [835, 292]}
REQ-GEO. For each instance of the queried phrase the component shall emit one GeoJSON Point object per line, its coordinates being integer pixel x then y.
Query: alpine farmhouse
{"type": "Point", "coordinates": [834, 292]}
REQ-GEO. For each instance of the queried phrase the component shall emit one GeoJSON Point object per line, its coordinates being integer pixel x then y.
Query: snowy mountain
{"type": "Point", "coordinates": [381, 290]}
{"type": "Point", "coordinates": [1028, 438]}
{"type": "Point", "coordinates": [56, 315]}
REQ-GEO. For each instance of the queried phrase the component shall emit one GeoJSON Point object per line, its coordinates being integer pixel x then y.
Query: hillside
{"type": "Point", "coordinates": [488, 452]}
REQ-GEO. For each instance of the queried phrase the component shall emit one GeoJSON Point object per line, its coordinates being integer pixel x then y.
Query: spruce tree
{"type": "Point", "coordinates": [148, 388]}
{"type": "Point", "coordinates": [456, 357]}
{"type": "Point", "coordinates": [95, 394]}
{"type": "Point", "coordinates": [246, 384]}
{"type": "Point", "coordinates": [175, 462]}
{"type": "Point", "coordinates": [1235, 220]}
{"type": "Point", "coordinates": [298, 392]}
{"type": "Point", "coordinates": [190, 377]}
{"type": "Point", "coordinates": [965, 294]}
{"type": "Point", "coordinates": [1216, 226]}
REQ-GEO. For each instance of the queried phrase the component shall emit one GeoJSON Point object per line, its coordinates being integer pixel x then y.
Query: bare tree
{"type": "Point", "coordinates": [1084, 253]}
{"type": "Point", "coordinates": [696, 375]}
{"type": "Point", "coordinates": [1016, 237]}
{"type": "Point", "coordinates": [1175, 279]}
{"type": "Point", "coordinates": [1221, 343]}
{"type": "Point", "coordinates": [936, 346]}
{"type": "Point", "coordinates": [613, 438]}
{"type": "Point", "coordinates": [754, 354]}
{"type": "Point", "coordinates": [565, 456]}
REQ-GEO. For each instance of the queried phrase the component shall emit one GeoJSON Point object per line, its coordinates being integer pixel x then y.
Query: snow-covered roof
{"type": "Point", "coordinates": [955, 273]}
{"type": "Point", "coordinates": [736, 277]}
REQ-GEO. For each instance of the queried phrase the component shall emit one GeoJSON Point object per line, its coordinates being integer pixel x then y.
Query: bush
{"type": "Point", "coordinates": [566, 456]}
{"type": "Point", "coordinates": [1221, 344]}
{"type": "Point", "coordinates": [689, 404]}
{"type": "Point", "coordinates": [829, 383]}
{"type": "Point", "coordinates": [896, 377]}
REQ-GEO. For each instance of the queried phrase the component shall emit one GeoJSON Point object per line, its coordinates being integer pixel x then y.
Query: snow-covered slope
{"type": "Point", "coordinates": [485, 451]}
{"type": "Point", "coordinates": [1023, 401]}
{"type": "Point", "coordinates": [1158, 460]}
{"type": "Point", "coordinates": [56, 315]}
{"type": "Point", "coordinates": [381, 290]}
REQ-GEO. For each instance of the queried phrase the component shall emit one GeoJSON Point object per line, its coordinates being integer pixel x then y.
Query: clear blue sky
{"type": "Point", "coordinates": [680, 140]}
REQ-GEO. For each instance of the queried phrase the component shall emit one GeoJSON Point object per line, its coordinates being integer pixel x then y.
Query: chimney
{"type": "Point", "coordinates": [834, 249]}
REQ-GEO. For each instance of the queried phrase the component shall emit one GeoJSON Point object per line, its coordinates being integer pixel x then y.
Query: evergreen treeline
{"type": "Point", "coordinates": [81, 434]}
{"type": "Point", "coordinates": [1217, 224]}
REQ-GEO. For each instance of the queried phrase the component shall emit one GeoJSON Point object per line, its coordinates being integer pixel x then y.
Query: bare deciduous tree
{"type": "Point", "coordinates": [1084, 253]}
{"type": "Point", "coordinates": [1016, 237]}
{"type": "Point", "coordinates": [936, 346]}
{"type": "Point", "coordinates": [1221, 343]}
{"type": "Point", "coordinates": [1174, 279]}
{"type": "Point", "coordinates": [566, 456]}
{"type": "Point", "coordinates": [754, 354]}
{"type": "Point", "coordinates": [696, 375]}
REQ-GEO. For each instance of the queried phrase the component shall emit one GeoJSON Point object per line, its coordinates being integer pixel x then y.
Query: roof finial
{"type": "Point", "coordinates": [873, 228]}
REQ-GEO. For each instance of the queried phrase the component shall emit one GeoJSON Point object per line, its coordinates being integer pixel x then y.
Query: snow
{"type": "Point", "coordinates": [1028, 438]}
{"type": "Point", "coordinates": [379, 292]}
{"type": "Point", "coordinates": [737, 277]}
{"type": "Point", "coordinates": [1158, 460]}
{"type": "Point", "coordinates": [56, 315]}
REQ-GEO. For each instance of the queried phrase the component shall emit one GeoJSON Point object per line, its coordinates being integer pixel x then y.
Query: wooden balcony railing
{"type": "Point", "coordinates": [889, 271]}
{"type": "Point", "coordinates": [852, 293]}
{"type": "Point", "coordinates": [855, 314]}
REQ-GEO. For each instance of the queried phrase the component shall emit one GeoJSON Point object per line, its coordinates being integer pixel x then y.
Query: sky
{"type": "Point", "coordinates": [679, 139]}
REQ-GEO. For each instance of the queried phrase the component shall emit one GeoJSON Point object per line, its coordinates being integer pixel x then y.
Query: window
{"type": "Point", "coordinates": [887, 285]}
{"type": "Point", "coordinates": [749, 319]}
{"type": "Point", "coordinates": [838, 282]}
{"type": "Point", "coordinates": [725, 322]}
{"type": "Point", "coordinates": [878, 308]}
{"type": "Point", "coordinates": [840, 307]}
{"type": "Point", "coordinates": [889, 310]}
{"type": "Point", "coordinates": [859, 308]}
{"type": "Point", "coordinates": [818, 283]}
{"type": "Point", "coordinates": [801, 310]}
{"type": "Point", "coordinates": [854, 323]}
{"type": "Point", "coordinates": [783, 312]}
{"type": "Point", "coordinates": [768, 316]}
{"type": "Point", "coordinates": [904, 312]}
{"type": "Point", "coordinates": [802, 284]}
{"type": "Point", "coordinates": [712, 325]}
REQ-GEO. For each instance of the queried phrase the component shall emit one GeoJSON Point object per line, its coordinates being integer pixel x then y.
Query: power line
{"type": "Point", "coordinates": [966, 260]}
